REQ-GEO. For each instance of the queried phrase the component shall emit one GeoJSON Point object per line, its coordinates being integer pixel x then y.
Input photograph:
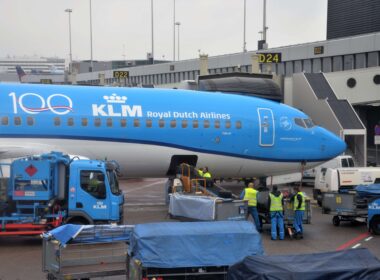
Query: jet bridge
{"type": "Point", "coordinates": [313, 94]}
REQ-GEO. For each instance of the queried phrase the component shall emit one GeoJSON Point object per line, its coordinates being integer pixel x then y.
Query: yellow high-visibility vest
{"type": "Point", "coordinates": [295, 202]}
{"type": "Point", "coordinates": [250, 195]}
{"type": "Point", "coordinates": [275, 202]}
{"type": "Point", "coordinates": [206, 175]}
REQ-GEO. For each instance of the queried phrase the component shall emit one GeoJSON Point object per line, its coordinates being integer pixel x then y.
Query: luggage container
{"type": "Point", "coordinates": [196, 250]}
{"type": "Point", "coordinates": [78, 252]}
{"type": "Point", "coordinates": [206, 208]}
{"type": "Point", "coordinates": [345, 207]}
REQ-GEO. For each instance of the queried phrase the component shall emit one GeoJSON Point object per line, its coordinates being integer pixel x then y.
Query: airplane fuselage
{"type": "Point", "coordinates": [148, 130]}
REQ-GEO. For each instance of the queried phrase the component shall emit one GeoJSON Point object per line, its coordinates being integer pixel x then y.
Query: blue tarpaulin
{"type": "Point", "coordinates": [340, 265]}
{"type": "Point", "coordinates": [195, 244]}
{"type": "Point", "coordinates": [368, 190]}
{"type": "Point", "coordinates": [89, 233]}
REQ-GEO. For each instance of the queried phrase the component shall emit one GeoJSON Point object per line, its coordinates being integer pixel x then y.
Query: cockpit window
{"type": "Point", "coordinates": [309, 123]}
{"type": "Point", "coordinates": [299, 122]}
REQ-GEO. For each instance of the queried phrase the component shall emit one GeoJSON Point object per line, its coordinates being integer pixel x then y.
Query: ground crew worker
{"type": "Point", "coordinates": [250, 194]}
{"type": "Point", "coordinates": [298, 200]}
{"type": "Point", "coordinates": [206, 175]}
{"type": "Point", "coordinates": [276, 202]}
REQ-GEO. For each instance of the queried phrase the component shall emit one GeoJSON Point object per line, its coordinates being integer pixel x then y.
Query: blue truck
{"type": "Point", "coordinates": [45, 191]}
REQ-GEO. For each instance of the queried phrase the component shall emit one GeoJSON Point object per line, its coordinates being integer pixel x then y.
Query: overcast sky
{"type": "Point", "coordinates": [122, 28]}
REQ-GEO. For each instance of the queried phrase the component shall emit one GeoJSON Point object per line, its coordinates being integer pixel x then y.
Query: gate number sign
{"type": "Point", "coordinates": [120, 74]}
{"type": "Point", "coordinates": [270, 58]}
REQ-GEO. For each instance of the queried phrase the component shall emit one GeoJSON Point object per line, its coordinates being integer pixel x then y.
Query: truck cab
{"type": "Point", "coordinates": [93, 193]}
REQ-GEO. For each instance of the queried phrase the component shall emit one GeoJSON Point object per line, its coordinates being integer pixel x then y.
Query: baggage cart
{"type": "Point", "coordinates": [206, 208]}
{"type": "Point", "coordinates": [345, 207]}
{"type": "Point", "coordinates": [96, 251]}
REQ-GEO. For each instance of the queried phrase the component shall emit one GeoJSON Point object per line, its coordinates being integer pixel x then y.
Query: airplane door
{"type": "Point", "coordinates": [266, 123]}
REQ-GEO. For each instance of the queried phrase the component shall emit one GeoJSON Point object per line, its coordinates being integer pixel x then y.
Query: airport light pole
{"type": "Point", "coordinates": [178, 24]}
{"type": "Point", "coordinates": [265, 22]}
{"type": "Point", "coordinates": [151, 5]}
{"type": "Point", "coordinates": [244, 29]}
{"type": "Point", "coordinates": [92, 64]}
{"type": "Point", "coordinates": [69, 11]}
{"type": "Point", "coordinates": [173, 30]}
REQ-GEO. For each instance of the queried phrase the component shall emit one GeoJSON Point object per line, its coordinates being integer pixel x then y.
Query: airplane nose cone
{"type": "Point", "coordinates": [333, 145]}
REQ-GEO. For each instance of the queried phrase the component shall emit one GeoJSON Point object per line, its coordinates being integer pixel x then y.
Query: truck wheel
{"type": "Point", "coordinates": [78, 221]}
{"type": "Point", "coordinates": [50, 276]}
{"type": "Point", "coordinates": [375, 225]}
{"type": "Point", "coordinates": [336, 221]}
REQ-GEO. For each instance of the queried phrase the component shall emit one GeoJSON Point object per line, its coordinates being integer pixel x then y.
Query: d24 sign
{"type": "Point", "coordinates": [270, 58]}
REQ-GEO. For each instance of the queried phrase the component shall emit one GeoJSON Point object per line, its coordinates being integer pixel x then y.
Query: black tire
{"type": "Point", "coordinates": [319, 203]}
{"type": "Point", "coordinates": [50, 276]}
{"type": "Point", "coordinates": [336, 221]}
{"type": "Point", "coordinates": [78, 221]}
{"type": "Point", "coordinates": [375, 225]}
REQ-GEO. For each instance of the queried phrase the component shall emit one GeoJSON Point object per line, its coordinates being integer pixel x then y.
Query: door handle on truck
{"type": "Point", "coordinates": [79, 205]}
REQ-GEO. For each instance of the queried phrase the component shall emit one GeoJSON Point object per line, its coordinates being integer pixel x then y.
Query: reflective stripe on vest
{"type": "Point", "coordinates": [296, 202]}
{"type": "Point", "coordinates": [250, 195]}
{"type": "Point", "coordinates": [275, 202]}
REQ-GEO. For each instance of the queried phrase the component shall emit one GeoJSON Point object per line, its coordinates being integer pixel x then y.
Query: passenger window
{"type": "Point", "coordinates": [351, 162]}
{"type": "Point", "coordinates": [93, 182]}
{"type": "Point", "coordinates": [4, 121]}
{"type": "Point", "coordinates": [136, 123]}
{"type": "Point", "coordinates": [299, 122]}
{"type": "Point", "coordinates": [97, 122]}
{"type": "Point", "coordinates": [57, 121]}
{"type": "Point", "coordinates": [84, 122]}
{"type": "Point", "coordinates": [70, 121]}
{"type": "Point", "coordinates": [228, 124]}
{"type": "Point", "coordinates": [17, 120]}
{"type": "Point", "coordinates": [148, 123]}
{"type": "Point", "coordinates": [238, 124]}
{"type": "Point", "coordinates": [184, 123]}
{"type": "Point", "coordinates": [206, 123]}
{"type": "Point", "coordinates": [217, 124]}
{"type": "Point", "coordinates": [123, 122]}
{"type": "Point", "coordinates": [195, 123]}
{"type": "Point", "coordinates": [161, 123]}
{"type": "Point", "coordinates": [173, 123]}
{"type": "Point", "coordinates": [30, 121]}
{"type": "Point", "coordinates": [109, 122]}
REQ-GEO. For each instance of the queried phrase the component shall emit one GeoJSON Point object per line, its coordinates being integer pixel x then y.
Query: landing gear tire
{"type": "Point", "coordinates": [336, 221]}
{"type": "Point", "coordinates": [375, 225]}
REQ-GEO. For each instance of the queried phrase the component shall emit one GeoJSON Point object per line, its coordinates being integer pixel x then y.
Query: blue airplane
{"type": "Point", "coordinates": [151, 131]}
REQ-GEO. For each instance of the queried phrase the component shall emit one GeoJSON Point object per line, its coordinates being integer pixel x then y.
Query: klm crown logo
{"type": "Point", "coordinates": [114, 98]}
